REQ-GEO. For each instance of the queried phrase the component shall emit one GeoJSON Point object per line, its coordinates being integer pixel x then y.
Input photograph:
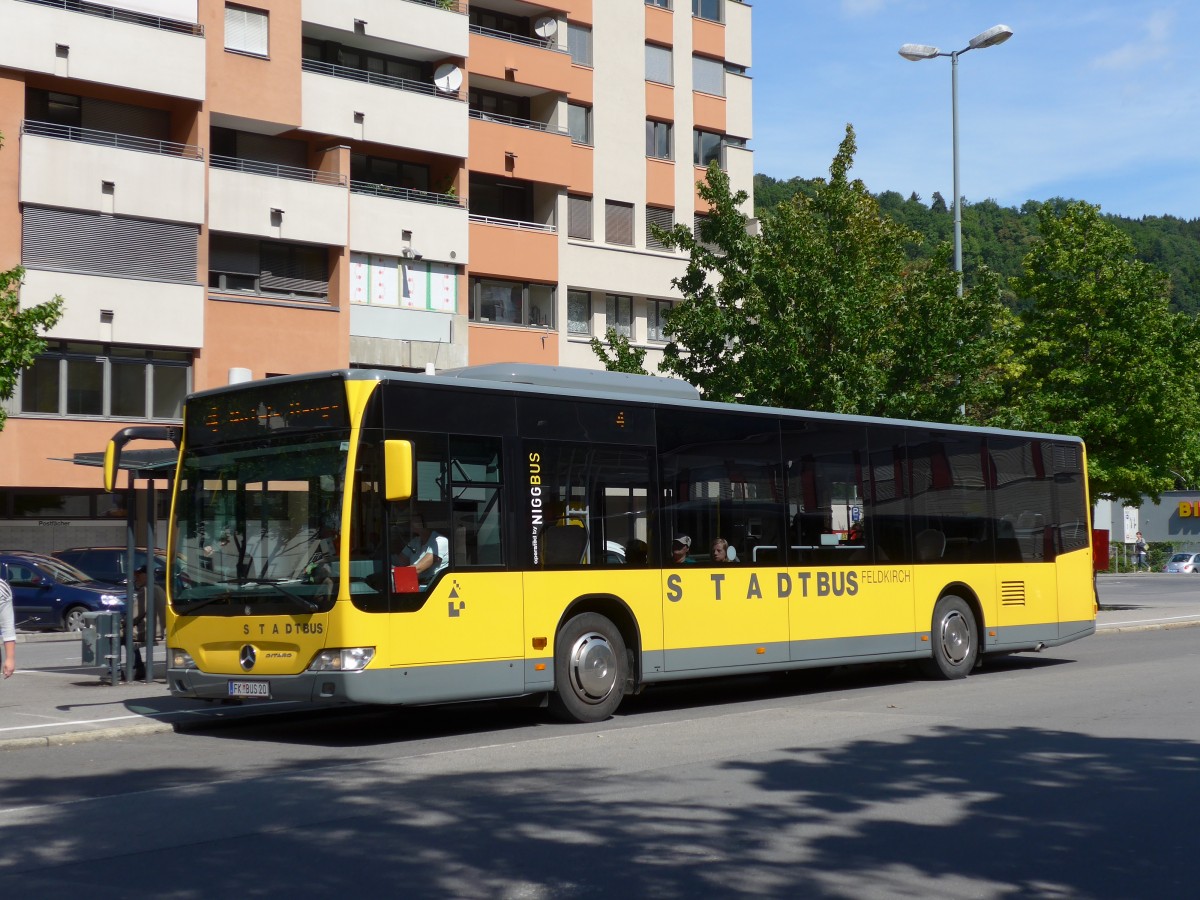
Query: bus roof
{"type": "Point", "coordinates": [595, 384]}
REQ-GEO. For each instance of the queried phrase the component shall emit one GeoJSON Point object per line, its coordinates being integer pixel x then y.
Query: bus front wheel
{"type": "Point", "coordinates": [955, 638]}
{"type": "Point", "coordinates": [589, 669]}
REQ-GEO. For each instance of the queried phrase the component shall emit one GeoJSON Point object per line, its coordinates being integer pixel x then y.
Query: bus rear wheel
{"type": "Point", "coordinates": [590, 669]}
{"type": "Point", "coordinates": [955, 638]}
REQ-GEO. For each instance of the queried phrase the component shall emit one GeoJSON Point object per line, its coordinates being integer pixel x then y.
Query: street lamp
{"type": "Point", "coordinates": [997, 34]}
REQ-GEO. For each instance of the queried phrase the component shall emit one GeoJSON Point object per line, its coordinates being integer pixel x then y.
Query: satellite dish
{"type": "Point", "coordinates": [546, 27]}
{"type": "Point", "coordinates": [448, 77]}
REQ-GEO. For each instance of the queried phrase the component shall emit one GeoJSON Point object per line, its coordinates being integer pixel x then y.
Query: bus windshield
{"type": "Point", "coordinates": [257, 525]}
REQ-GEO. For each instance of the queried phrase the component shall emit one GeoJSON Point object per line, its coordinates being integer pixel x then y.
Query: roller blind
{"type": "Point", "coordinates": [77, 241]}
{"type": "Point", "coordinates": [246, 30]}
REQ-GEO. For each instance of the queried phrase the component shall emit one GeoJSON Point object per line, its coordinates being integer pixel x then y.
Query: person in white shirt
{"type": "Point", "coordinates": [428, 552]}
{"type": "Point", "coordinates": [8, 629]}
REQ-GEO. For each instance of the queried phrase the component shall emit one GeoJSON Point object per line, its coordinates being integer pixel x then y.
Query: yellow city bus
{"type": "Point", "coordinates": [515, 530]}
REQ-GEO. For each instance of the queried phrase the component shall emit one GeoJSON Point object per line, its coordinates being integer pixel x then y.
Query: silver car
{"type": "Point", "coordinates": [1183, 563]}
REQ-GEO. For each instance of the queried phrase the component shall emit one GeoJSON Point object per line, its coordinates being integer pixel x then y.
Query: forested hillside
{"type": "Point", "coordinates": [1000, 236]}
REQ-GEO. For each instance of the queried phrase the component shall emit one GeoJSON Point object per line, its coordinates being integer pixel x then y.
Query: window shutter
{"type": "Point", "coordinates": [664, 218]}
{"type": "Point", "coordinates": [618, 222]}
{"type": "Point", "coordinates": [108, 245]}
{"type": "Point", "coordinates": [658, 64]}
{"type": "Point", "coordinates": [708, 76]}
{"type": "Point", "coordinates": [579, 217]}
{"type": "Point", "coordinates": [294, 269]}
{"type": "Point", "coordinates": [246, 30]}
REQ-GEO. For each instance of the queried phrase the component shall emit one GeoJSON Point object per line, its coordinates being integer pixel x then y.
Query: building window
{"type": "Point", "coordinates": [707, 9]}
{"type": "Point", "coordinates": [660, 216]}
{"type": "Point", "coordinates": [579, 123]}
{"type": "Point", "coordinates": [658, 140]}
{"type": "Point", "coordinates": [661, 4]}
{"type": "Point", "coordinates": [494, 103]}
{"type": "Point", "coordinates": [579, 312]}
{"type": "Point", "coordinates": [618, 222]}
{"type": "Point", "coordinates": [579, 217]}
{"type": "Point", "coordinates": [708, 76]}
{"type": "Point", "coordinates": [403, 282]}
{"type": "Point", "coordinates": [707, 147]}
{"type": "Point", "coordinates": [659, 66]}
{"type": "Point", "coordinates": [619, 315]}
{"type": "Point", "coordinates": [512, 303]}
{"type": "Point", "coordinates": [74, 379]}
{"type": "Point", "coordinates": [389, 172]}
{"type": "Point", "coordinates": [246, 30]}
{"type": "Point", "coordinates": [656, 320]}
{"type": "Point", "coordinates": [579, 44]}
{"type": "Point", "coordinates": [240, 265]}
{"type": "Point", "coordinates": [501, 198]}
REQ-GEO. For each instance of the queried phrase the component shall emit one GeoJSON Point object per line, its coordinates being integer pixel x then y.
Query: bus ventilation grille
{"type": "Point", "coordinates": [1012, 593]}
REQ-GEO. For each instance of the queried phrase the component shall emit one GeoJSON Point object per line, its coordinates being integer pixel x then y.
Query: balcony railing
{"type": "Point", "coordinates": [389, 81]}
{"type": "Point", "coordinates": [124, 15]}
{"type": "Point", "coordinates": [110, 139]}
{"type": "Point", "coordinates": [273, 170]}
{"type": "Point", "coordinates": [399, 193]}
{"type": "Point", "coordinates": [542, 43]}
{"type": "Point", "coordinates": [483, 116]}
{"type": "Point", "coordinates": [458, 6]}
{"type": "Point", "coordinates": [513, 223]}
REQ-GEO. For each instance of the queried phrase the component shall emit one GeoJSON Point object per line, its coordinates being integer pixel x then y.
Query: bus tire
{"type": "Point", "coordinates": [954, 635]}
{"type": "Point", "coordinates": [589, 669]}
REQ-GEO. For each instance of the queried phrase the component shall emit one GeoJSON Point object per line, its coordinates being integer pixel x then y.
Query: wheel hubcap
{"type": "Point", "coordinates": [593, 668]}
{"type": "Point", "coordinates": [956, 638]}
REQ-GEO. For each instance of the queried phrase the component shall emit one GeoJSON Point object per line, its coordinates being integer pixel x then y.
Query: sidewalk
{"type": "Point", "coordinates": [52, 700]}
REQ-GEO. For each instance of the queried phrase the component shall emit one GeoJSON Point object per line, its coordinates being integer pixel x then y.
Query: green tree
{"type": "Point", "coordinates": [1104, 356]}
{"type": "Point", "coordinates": [623, 356]}
{"type": "Point", "coordinates": [20, 341]}
{"type": "Point", "coordinates": [823, 309]}
{"type": "Point", "coordinates": [20, 332]}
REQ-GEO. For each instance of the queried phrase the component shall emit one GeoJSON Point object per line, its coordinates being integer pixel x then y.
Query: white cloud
{"type": "Point", "coordinates": [1153, 45]}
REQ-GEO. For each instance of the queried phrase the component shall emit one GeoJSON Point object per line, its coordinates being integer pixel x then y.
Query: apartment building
{"type": "Point", "coordinates": [226, 190]}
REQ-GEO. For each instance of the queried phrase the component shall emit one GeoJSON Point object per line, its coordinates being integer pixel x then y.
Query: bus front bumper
{"type": "Point", "coordinates": [307, 686]}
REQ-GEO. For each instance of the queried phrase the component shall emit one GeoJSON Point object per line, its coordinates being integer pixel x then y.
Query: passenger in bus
{"type": "Point", "coordinates": [722, 553]}
{"type": "Point", "coordinates": [428, 552]}
{"type": "Point", "coordinates": [681, 548]}
{"type": "Point", "coordinates": [637, 553]}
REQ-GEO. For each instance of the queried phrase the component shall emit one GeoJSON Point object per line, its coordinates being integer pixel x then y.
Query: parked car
{"type": "Point", "coordinates": [107, 564]}
{"type": "Point", "coordinates": [1183, 563]}
{"type": "Point", "coordinates": [49, 593]}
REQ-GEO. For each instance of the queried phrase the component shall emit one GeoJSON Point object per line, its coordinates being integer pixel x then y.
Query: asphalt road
{"type": "Point", "coordinates": [1073, 773]}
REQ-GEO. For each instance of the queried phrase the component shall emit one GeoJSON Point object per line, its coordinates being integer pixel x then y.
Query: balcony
{"type": "Point", "coordinates": [107, 172]}
{"type": "Point", "coordinates": [399, 112]}
{"type": "Point", "coordinates": [510, 147]}
{"type": "Point", "coordinates": [438, 25]}
{"type": "Point", "coordinates": [73, 39]}
{"type": "Point", "coordinates": [380, 214]}
{"type": "Point", "coordinates": [739, 111]}
{"type": "Point", "coordinates": [280, 202]}
{"type": "Point", "coordinates": [511, 248]}
{"type": "Point", "coordinates": [512, 58]}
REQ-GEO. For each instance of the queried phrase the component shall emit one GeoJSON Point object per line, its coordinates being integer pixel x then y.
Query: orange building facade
{"type": "Point", "coordinates": [273, 186]}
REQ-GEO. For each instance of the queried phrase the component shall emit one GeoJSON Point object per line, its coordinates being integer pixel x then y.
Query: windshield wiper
{"type": "Point", "coordinates": [291, 595]}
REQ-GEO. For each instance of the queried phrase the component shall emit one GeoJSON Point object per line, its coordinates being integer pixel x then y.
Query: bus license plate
{"type": "Point", "coordinates": [261, 689]}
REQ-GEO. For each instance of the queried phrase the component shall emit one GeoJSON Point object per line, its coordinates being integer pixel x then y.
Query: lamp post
{"type": "Point", "coordinates": [997, 34]}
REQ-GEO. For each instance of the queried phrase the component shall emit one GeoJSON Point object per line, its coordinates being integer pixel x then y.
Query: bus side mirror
{"type": "Point", "coordinates": [397, 470]}
{"type": "Point", "coordinates": [112, 457]}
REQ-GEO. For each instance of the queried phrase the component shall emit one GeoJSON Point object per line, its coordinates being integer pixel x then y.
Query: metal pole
{"type": "Point", "coordinates": [957, 205]}
{"type": "Point", "coordinates": [150, 612]}
{"type": "Point", "coordinates": [130, 565]}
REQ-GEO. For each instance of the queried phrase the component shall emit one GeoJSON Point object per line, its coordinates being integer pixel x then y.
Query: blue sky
{"type": "Point", "coordinates": [1095, 100]}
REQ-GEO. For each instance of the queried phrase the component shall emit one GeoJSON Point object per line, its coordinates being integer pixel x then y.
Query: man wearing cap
{"type": "Point", "coordinates": [681, 547]}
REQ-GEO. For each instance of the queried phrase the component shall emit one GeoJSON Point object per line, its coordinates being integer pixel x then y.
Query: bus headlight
{"type": "Point", "coordinates": [348, 659]}
{"type": "Point", "coordinates": [181, 659]}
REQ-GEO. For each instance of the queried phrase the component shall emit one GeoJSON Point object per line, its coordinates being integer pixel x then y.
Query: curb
{"type": "Point", "coordinates": [41, 637]}
{"type": "Point", "coordinates": [82, 737]}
